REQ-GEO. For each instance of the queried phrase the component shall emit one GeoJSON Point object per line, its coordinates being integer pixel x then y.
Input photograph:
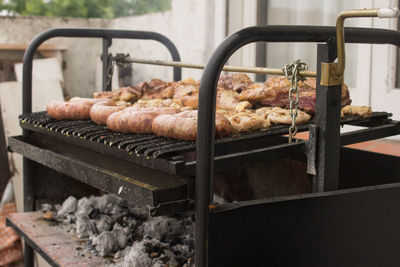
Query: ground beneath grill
{"type": "Point", "coordinates": [53, 240]}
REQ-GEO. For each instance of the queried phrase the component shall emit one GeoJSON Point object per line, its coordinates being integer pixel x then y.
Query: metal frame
{"type": "Point", "coordinates": [107, 36]}
{"type": "Point", "coordinates": [327, 126]}
{"type": "Point", "coordinates": [322, 147]}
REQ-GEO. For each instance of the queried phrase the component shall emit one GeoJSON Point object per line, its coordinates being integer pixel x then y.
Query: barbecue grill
{"type": "Point", "coordinates": [350, 216]}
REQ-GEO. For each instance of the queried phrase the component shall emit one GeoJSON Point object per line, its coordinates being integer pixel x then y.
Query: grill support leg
{"type": "Point", "coordinates": [327, 117]}
{"type": "Point", "coordinates": [28, 204]}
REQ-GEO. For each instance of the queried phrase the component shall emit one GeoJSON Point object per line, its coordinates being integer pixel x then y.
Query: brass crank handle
{"type": "Point", "coordinates": [332, 73]}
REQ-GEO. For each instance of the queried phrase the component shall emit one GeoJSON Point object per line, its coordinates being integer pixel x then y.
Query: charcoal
{"type": "Point", "coordinates": [172, 262]}
{"type": "Point", "coordinates": [138, 256]}
{"type": "Point", "coordinates": [68, 207]}
{"type": "Point", "coordinates": [162, 227]}
{"type": "Point", "coordinates": [104, 223]}
{"type": "Point", "coordinates": [84, 207]}
{"type": "Point", "coordinates": [46, 207]}
{"type": "Point", "coordinates": [122, 253]}
{"type": "Point", "coordinates": [106, 203]}
{"type": "Point", "coordinates": [113, 227]}
{"type": "Point", "coordinates": [84, 227]}
{"type": "Point", "coordinates": [121, 235]}
{"type": "Point", "coordinates": [109, 242]}
{"type": "Point", "coordinates": [70, 219]}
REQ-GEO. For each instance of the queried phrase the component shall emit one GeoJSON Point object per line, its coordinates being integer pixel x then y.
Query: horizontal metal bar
{"type": "Point", "coordinates": [258, 70]}
{"type": "Point", "coordinates": [137, 188]}
{"type": "Point", "coordinates": [370, 133]}
{"type": "Point", "coordinates": [261, 154]}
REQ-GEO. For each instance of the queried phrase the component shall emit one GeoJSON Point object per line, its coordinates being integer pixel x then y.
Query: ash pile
{"type": "Point", "coordinates": [114, 228]}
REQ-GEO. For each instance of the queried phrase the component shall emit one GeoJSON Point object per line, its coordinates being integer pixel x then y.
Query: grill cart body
{"type": "Point", "coordinates": [348, 218]}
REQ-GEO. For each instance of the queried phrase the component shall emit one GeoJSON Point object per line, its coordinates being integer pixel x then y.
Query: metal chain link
{"type": "Point", "coordinates": [110, 70]}
{"type": "Point", "coordinates": [291, 71]}
{"type": "Point", "coordinates": [118, 60]}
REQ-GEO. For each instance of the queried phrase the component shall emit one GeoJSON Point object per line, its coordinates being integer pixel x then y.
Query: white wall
{"type": "Point", "coordinates": [80, 56]}
{"type": "Point", "coordinates": [194, 26]}
{"type": "Point", "coordinates": [242, 14]}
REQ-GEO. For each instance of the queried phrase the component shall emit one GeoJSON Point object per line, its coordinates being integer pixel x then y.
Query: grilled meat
{"type": "Point", "coordinates": [136, 119]}
{"type": "Point", "coordinates": [275, 93]}
{"type": "Point", "coordinates": [362, 111]}
{"type": "Point", "coordinates": [156, 89]}
{"type": "Point", "coordinates": [100, 111]}
{"type": "Point", "coordinates": [236, 82]}
{"type": "Point", "coordinates": [282, 116]}
{"type": "Point", "coordinates": [246, 120]}
{"type": "Point", "coordinates": [184, 125]}
{"type": "Point", "coordinates": [161, 103]}
{"type": "Point", "coordinates": [75, 109]}
{"type": "Point", "coordinates": [127, 94]}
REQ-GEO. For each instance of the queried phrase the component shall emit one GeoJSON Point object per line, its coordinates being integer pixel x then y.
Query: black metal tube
{"type": "Point", "coordinates": [327, 119]}
{"type": "Point", "coordinates": [207, 101]}
{"type": "Point", "coordinates": [105, 60]}
{"type": "Point", "coordinates": [28, 198]}
{"type": "Point", "coordinates": [85, 33]}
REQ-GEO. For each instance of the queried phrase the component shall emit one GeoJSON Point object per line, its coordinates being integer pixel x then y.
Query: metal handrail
{"type": "Point", "coordinates": [85, 33]}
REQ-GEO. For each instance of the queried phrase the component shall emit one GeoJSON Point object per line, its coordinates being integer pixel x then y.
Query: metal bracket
{"type": "Point", "coordinates": [331, 74]}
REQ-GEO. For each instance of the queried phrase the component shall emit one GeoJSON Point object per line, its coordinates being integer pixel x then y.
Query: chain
{"type": "Point", "coordinates": [292, 74]}
{"type": "Point", "coordinates": [110, 70]}
{"type": "Point", "coordinates": [117, 60]}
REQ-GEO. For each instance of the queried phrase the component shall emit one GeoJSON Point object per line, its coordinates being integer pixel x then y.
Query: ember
{"type": "Point", "coordinates": [113, 227]}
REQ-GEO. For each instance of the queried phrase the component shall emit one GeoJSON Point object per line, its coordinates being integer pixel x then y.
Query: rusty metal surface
{"type": "Point", "coordinates": [52, 241]}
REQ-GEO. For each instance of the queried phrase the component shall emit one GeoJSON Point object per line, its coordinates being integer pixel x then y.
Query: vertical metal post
{"type": "Point", "coordinates": [29, 202]}
{"type": "Point", "coordinates": [327, 118]}
{"type": "Point", "coordinates": [106, 60]}
{"type": "Point", "coordinates": [27, 165]}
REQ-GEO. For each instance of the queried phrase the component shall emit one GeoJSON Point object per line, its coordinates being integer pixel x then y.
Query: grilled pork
{"type": "Point", "coordinates": [127, 94]}
{"type": "Point", "coordinates": [282, 116]}
{"type": "Point", "coordinates": [136, 119]}
{"type": "Point", "coordinates": [362, 111]}
{"type": "Point", "coordinates": [184, 125]}
{"type": "Point", "coordinates": [75, 109]}
{"type": "Point", "coordinates": [246, 120]}
{"type": "Point", "coordinates": [274, 93]}
{"type": "Point", "coordinates": [100, 111]}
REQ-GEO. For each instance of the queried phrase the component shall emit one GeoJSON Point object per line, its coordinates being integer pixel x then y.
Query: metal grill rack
{"type": "Point", "coordinates": [150, 145]}
{"type": "Point", "coordinates": [169, 176]}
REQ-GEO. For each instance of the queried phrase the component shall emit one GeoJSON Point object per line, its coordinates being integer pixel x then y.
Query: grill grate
{"type": "Point", "coordinates": [151, 145]}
